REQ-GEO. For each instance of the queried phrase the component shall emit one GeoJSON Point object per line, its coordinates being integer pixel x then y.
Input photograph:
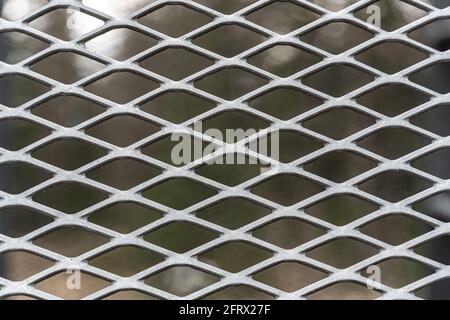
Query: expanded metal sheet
{"type": "Point", "coordinates": [226, 278]}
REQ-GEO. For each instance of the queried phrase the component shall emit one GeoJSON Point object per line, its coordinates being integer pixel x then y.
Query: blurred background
{"type": "Point", "coordinates": [283, 103]}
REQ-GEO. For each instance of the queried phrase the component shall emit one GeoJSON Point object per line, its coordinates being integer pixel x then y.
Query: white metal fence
{"type": "Point", "coordinates": [295, 175]}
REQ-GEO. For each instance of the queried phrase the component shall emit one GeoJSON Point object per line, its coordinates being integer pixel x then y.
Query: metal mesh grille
{"type": "Point", "coordinates": [383, 169]}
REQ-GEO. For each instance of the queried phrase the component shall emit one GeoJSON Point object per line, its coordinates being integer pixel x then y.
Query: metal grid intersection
{"type": "Point", "coordinates": [226, 278]}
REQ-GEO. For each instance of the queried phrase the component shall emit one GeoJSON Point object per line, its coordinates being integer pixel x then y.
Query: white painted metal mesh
{"type": "Point", "coordinates": [317, 188]}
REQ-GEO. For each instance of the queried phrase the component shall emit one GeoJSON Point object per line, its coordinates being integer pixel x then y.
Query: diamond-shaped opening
{"type": "Point", "coordinates": [285, 103]}
{"type": "Point", "coordinates": [188, 236]}
{"type": "Point", "coordinates": [13, 10]}
{"type": "Point", "coordinates": [435, 163]}
{"type": "Point", "coordinates": [437, 290]}
{"type": "Point", "coordinates": [342, 252]}
{"type": "Point", "coordinates": [339, 123]}
{"type": "Point", "coordinates": [17, 133]}
{"type": "Point", "coordinates": [435, 206]}
{"type": "Point", "coordinates": [163, 148]}
{"type": "Point", "coordinates": [435, 249]}
{"type": "Point", "coordinates": [284, 59]}
{"type": "Point", "coordinates": [289, 276]}
{"type": "Point", "coordinates": [288, 233]}
{"type": "Point", "coordinates": [124, 173]}
{"type": "Point", "coordinates": [123, 130]}
{"type": "Point", "coordinates": [282, 16]}
{"type": "Point", "coordinates": [69, 154]}
{"type": "Point", "coordinates": [121, 43]}
{"type": "Point", "coordinates": [70, 241]}
{"type": "Point", "coordinates": [20, 265]}
{"type": "Point", "coordinates": [18, 297]}
{"type": "Point", "coordinates": [179, 193]}
{"type": "Point", "coordinates": [18, 90]}
{"type": "Point", "coordinates": [67, 110]}
{"type": "Point", "coordinates": [17, 177]}
{"type": "Point", "coordinates": [341, 209]}
{"type": "Point", "coordinates": [393, 99]}
{"type": "Point", "coordinates": [230, 83]}
{"type": "Point", "coordinates": [235, 256]}
{"type": "Point", "coordinates": [177, 106]}
{"type": "Point", "coordinates": [57, 285]}
{"type": "Point", "coordinates": [181, 280]}
{"type": "Point", "coordinates": [292, 145]}
{"type": "Point", "coordinates": [18, 221]}
{"type": "Point", "coordinates": [19, 46]}
{"type": "Point", "coordinates": [434, 120]}
{"type": "Point", "coordinates": [324, 37]}
{"type": "Point", "coordinates": [124, 217]}
{"type": "Point", "coordinates": [345, 291]}
{"type": "Point", "coordinates": [175, 63]}
{"type": "Point", "coordinates": [393, 143]}
{"type": "Point", "coordinates": [399, 272]}
{"type": "Point", "coordinates": [430, 75]}
{"type": "Point", "coordinates": [338, 80]}
{"type": "Point", "coordinates": [231, 169]}
{"type": "Point", "coordinates": [226, 7]}
{"type": "Point", "coordinates": [441, 4]}
{"type": "Point", "coordinates": [229, 39]}
{"type": "Point", "coordinates": [129, 295]}
{"type": "Point", "coordinates": [175, 20]}
{"type": "Point", "coordinates": [434, 34]}
{"type": "Point", "coordinates": [287, 189]}
{"type": "Point", "coordinates": [395, 13]}
{"type": "Point", "coordinates": [126, 260]}
{"type": "Point", "coordinates": [239, 292]}
{"type": "Point", "coordinates": [333, 5]}
{"type": "Point", "coordinates": [69, 197]}
{"type": "Point", "coordinates": [233, 213]}
{"type": "Point", "coordinates": [66, 23]}
{"type": "Point", "coordinates": [122, 86]}
{"type": "Point", "coordinates": [66, 67]}
{"type": "Point", "coordinates": [396, 228]}
{"type": "Point", "coordinates": [117, 8]}
{"type": "Point", "coordinates": [391, 56]}
{"type": "Point", "coordinates": [232, 119]}
{"type": "Point", "coordinates": [340, 166]}
{"type": "Point", "coordinates": [395, 185]}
